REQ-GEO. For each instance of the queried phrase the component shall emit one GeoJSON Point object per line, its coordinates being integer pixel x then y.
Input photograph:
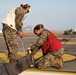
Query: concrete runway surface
{"type": "Point", "coordinates": [69, 57]}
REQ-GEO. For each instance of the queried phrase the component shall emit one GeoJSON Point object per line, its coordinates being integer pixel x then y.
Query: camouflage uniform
{"type": "Point", "coordinates": [10, 35]}
{"type": "Point", "coordinates": [48, 59]}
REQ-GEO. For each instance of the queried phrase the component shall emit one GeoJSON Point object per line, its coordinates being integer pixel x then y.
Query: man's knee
{"type": "Point", "coordinates": [43, 65]}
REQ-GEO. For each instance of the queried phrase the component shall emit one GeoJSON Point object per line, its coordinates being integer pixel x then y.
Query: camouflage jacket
{"type": "Point", "coordinates": [19, 18]}
{"type": "Point", "coordinates": [42, 38]}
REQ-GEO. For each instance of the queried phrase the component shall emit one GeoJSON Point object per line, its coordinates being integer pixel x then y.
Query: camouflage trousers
{"type": "Point", "coordinates": [47, 60]}
{"type": "Point", "coordinates": [11, 41]}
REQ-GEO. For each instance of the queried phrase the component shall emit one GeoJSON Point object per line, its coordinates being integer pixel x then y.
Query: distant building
{"type": "Point", "coordinates": [27, 28]}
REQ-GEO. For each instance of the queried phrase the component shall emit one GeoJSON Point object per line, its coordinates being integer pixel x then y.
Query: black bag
{"type": "Point", "coordinates": [16, 67]}
{"type": "Point", "coordinates": [3, 70]}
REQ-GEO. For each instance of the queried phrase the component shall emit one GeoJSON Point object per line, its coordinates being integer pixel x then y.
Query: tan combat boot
{"type": "Point", "coordinates": [59, 62]}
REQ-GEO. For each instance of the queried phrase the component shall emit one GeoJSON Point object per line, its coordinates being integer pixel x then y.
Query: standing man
{"type": "Point", "coordinates": [12, 25]}
{"type": "Point", "coordinates": [51, 47]}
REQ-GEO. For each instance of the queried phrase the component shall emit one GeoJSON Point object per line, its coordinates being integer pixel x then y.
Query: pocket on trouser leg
{"type": "Point", "coordinates": [45, 62]}
{"type": "Point", "coordinates": [59, 52]}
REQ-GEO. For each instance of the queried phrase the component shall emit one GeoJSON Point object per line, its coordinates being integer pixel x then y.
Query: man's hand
{"type": "Point", "coordinates": [21, 34]}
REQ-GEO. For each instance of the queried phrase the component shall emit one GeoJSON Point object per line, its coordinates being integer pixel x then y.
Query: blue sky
{"type": "Point", "coordinates": [53, 14]}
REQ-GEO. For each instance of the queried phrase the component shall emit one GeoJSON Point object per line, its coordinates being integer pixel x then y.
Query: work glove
{"type": "Point", "coordinates": [28, 50]}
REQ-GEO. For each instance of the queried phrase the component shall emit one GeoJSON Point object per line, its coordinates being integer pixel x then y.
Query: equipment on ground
{"type": "Point", "coordinates": [28, 52]}
{"type": "Point", "coordinates": [70, 32]}
{"type": "Point", "coordinates": [16, 67]}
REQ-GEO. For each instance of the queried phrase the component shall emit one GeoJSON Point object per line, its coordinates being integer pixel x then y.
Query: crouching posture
{"type": "Point", "coordinates": [51, 47]}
